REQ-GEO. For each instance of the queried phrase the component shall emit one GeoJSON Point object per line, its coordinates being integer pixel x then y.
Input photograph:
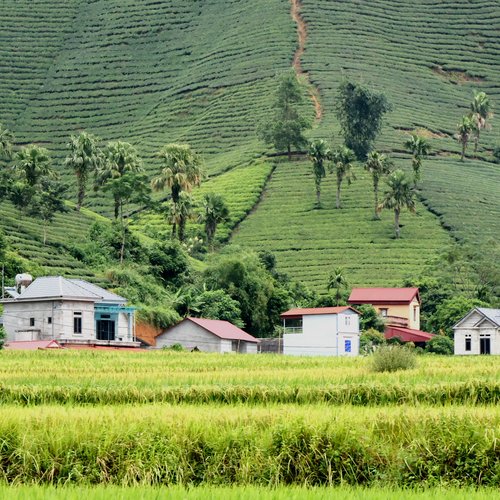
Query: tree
{"type": "Point", "coordinates": [378, 165]}
{"type": "Point", "coordinates": [120, 158]}
{"type": "Point", "coordinates": [360, 112]}
{"type": "Point", "coordinates": [480, 113]}
{"type": "Point", "coordinates": [337, 282]}
{"type": "Point", "coordinates": [31, 164]}
{"type": "Point", "coordinates": [464, 131]}
{"type": "Point", "coordinates": [342, 162]}
{"type": "Point", "coordinates": [182, 169]}
{"type": "Point", "coordinates": [215, 211]}
{"type": "Point", "coordinates": [6, 140]}
{"type": "Point", "coordinates": [169, 263]}
{"type": "Point", "coordinates": [399, 196]}
{"type": "Point", "coordinates": [179, 213]}
{"type": "Point", "coordinates": [287, 126]}
{"type": "Point", "coordinates": [218, 304]}
{"type": "Point", "coordinates": [2, 336]}
{"type": "Point", "coordinates": [370, 319]}
{"type": "Point", "coordinates": [419, 148]}
{"type": "Point", "coordinates": [440, 344]}
{"type": "Point", "coordinates": [84, 158]}
{"type": "Point", "coordinates": [318, 154]}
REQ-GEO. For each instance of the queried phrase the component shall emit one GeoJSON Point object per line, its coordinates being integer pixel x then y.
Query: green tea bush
{"type": "Point", "coordinates": [392, 358]}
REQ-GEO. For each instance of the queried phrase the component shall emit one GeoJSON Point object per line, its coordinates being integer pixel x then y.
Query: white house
{"type": "Point", "coordinates": [478, 332]}
{"type": "Point", "coordinates": [322, 331]}
{"type": "Point", "coordinates": [71, 311]}
{"type": "Point", "coordinates": [208, 335]}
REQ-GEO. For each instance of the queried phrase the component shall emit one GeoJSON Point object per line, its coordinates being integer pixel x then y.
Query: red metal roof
{"type": "Point", "coordinates": [382, 295]}
{"type": "Point", "coordinates": [407, 334]}
{"type": "Point", "coordinates": [223, 329]}
{"type": "Point", "coordinates": [33, 345]}
{"type": "Point", "coordinates": [297, 312]}
{"type": "Point", "coordinates": [92, 347]}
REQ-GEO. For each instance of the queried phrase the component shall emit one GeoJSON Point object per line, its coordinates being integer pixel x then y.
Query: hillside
{"type": "Point", "coordinates": [204, 73]}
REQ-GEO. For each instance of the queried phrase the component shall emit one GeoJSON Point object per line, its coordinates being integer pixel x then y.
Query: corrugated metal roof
{"type": "Point", "coordinates": [106, 295]}
{"type": "Point", "coordinates": [297, 312]}
{"type": "Point", "coordinates": [384, 295]}
{"type": "Point", "coordinates": [223, 329]}
{"type": "Point", "coordinates": [33, 345]}
{"type": "Point", "coordinates": [491, 314]}
{"type": "Point", "coordinates": [407, 334]}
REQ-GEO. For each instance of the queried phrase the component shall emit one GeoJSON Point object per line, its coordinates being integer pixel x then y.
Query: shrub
{"type": "Point", "coordinates": [370, 340]}
{"type": "Point", "coordinates": [2, 336]}
{"type": "Point", "coordinates": [440, 344]}
{"type": "Point", "coordinates": [174, 347]}
{"type": "Point", "coordinates": [391, 358]}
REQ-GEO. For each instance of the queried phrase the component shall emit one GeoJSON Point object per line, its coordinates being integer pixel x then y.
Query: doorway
{"type": "Point", "coordinates": [105, 329]}
{"type": "Point", "coordinates": [484, 345]}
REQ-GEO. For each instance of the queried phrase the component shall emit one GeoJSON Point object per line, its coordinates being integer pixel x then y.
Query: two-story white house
{"type": "Point", "coordinates": [71, 311]}
{"type": "Point", "coordinates": [321, 331]}
{"type": "Point", "coordinates": [478, 332]}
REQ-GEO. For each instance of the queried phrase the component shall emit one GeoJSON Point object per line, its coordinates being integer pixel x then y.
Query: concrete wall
{"type": "Point", "coordinates": [467, 329]}
{"type": "Point", "coordinates": [191, 335]}
{"type": "Point", "coordinates": [403, 311]}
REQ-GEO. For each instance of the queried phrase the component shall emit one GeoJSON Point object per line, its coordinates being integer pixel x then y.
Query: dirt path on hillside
{"type": "Point", "coordinates": [302, 37]}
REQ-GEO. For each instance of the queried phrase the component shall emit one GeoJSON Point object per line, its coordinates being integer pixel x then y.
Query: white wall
{"type": "Point", "coordinates": [191, 335]}
{"type": "Point", "coordinates": [475, 334]}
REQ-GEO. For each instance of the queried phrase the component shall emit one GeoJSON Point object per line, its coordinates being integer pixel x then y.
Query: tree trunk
{"type": "Point", "coordinates": [338, 194]}
{"type": "Point", "coordinates": [476, 141]}
{"type": "Point", "coordinates": [464, 145]}
{"type": "Point", "coordinates": [174, 230]}
{"type": "Point", "coordinates": [289, 149]}
{"type": "Point", "coordinates": [81, 196]}
{"type": "Point", "coordinates": [117, 207]}
{"type": "Point", "coordinates": [318, 196]}
{"type": "Point", "coordinates": [182, 227]}
{"type": "Point", "coordinates": [396, 222]}
{"type": "Point", "coordinates": [124, 235]}
{"type": "Point", "coordinates": [375, 191]}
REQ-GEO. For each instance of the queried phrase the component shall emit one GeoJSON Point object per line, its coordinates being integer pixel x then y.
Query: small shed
{"type": "Point", "coordinates": [209, 335]}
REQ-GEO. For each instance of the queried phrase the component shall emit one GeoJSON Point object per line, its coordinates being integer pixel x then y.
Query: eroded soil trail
{"type": "Point", "coordinates": [302, 37]}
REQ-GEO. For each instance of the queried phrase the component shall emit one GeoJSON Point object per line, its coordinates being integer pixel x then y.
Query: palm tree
{"type": "Point", "coordinates": [399, 196]}
{"type": "Point", "coordinates": [120, 158]}
{"type": "Point", "coordinates": [480, 112]}
{"type": "Point", "coordinates": [84, 158]}
{"type": "Point", "coordinates": [337, 282]}
{"type": "Point", "coordinates": [32, 163]}
{"type": "Point", "coordinates": [215, 211]}
{"type": "Point", "coordinates": [318, 154]}
{"type": "Point", "coordinates": [378, 165]}
{"type": "Point", "coordinates": [464, 131]}
{"type": "Point", "coordinates": [180, 212]}
{"type": "Point", "coordinates": [419, 148]}
{"type": "Point", "coordinates": [6, 140]}
{"type": "Point", "coordinates": [181, 170]}
{"type": "Point", "coordinates": [342, 161]}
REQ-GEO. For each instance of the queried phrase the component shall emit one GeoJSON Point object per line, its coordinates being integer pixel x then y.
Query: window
{"type": "Point", "coordinates": [49, 320]}
{"type": "Point", "coordinates": [415, 310]}
{"type": "Point", "coordinates": [468, 343]}
{"type": "Point", "coordinates": [348, 345]}
{"type": "Point", "coordinates": [77, 322]}
{"type": "Point", "coordinates": [383, 313]}
{"type": "Point", "coordinates": [347, 320]}
{"type": "Point", "coordinates": [32, 321]}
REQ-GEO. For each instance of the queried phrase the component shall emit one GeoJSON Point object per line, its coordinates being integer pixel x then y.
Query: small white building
{"type": "Point", "coordinates": [210, 335]}
{"type": "Point", "coordinates": [322, 331]}
{"type": "Point", "coordinates": [71, 311]}
{"type": "Point", "coordinates": [478, 332]}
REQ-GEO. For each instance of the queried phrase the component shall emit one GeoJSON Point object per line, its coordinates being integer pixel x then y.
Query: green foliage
{"type": "Point", "coordinates": [465, 129]}
{"type": "Point", "coordinates": [338, 283]}
{"type": "Point", "coordinates": [174, 347]}
{"type": "Point", "coordinates": [378, 165]}
{"type": "Point", "coordinates": [169, 263]}
{"type": "Point", "coordinates": [31, 164]}
{"type": "Point", "coordinates": [360, 112]}
{"type": "Point", "coordinates": [215, 212]}
{"type": "Point", "coordinates": [496, 154]}
{"type": "Point", "coordinates": [286, 129]}
{"type": "Point", "coordinates": [480, 113]}
{"type": "Point", "coordinates": [440, 344]}
{"type": "Point", "coordinates": [3, 247]}
{"type": "Point", "coordinates": [319, 153]}
{"type": "Point", "coordinates": [6, 140]}
{"type": "Point", "coordinates": [419, 148]}
{"type": "Point", "coordinates": [370, 340]}
{"type": "Point", "coordinates": [342, 164]}
{"type": "Point", "coordinates": [218, 304]}
{"type": "Point", "coordinates": [161, 317]}
{"type": "Point", "coordinates": [2, 336]}
{"type": "Point", "coordinates": [392, 358]}
{"type": "Point", "coordinates": [370, 319]}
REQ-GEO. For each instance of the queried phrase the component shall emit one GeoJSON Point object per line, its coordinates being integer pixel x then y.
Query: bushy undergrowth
{"type": "Point", "coordinates": [390, 358]}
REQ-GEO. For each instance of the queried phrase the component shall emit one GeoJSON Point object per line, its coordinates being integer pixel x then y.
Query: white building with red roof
{"type": "Point", "coordinates": [210, 335]}
{"type": "Point", "coordinates": [321, 331]}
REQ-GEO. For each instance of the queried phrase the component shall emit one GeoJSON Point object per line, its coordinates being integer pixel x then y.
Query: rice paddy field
{"type": "Point", "coordinates": [142, 425]}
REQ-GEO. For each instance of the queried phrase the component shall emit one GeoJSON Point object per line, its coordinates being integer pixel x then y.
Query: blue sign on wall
{"type": "Point", "coordinates": [347, 346]}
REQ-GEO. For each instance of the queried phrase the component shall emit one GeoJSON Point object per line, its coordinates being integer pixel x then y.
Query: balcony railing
{"type": "Point", "coordinates": [293, 329]}
{"type": "Point", "coordinates": [396, 321]}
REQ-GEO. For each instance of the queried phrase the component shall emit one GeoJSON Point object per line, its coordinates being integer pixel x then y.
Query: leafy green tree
{"type": "Point", "coordinates": [3, 246]}
{"type": "Point", "coordinates": [6, 141]}
{"type": "Point", "coordinates": [480, 113]}
{"type": "Point", "coordinates": [121, 158]}
{"type": "Point", "coordinates": [31, 164]}
{"type": "Point", "coordinates": [218, 304]}
{"type": "Point", "coordinates": [370, 340]}
{"type": "Point", "coordinates": [419, 148]}
{"type": "Point", "coordinates": [440, 344]}
{"type": "Point", "coordinates": [286, 128]}
{"type": "Point", "coordinates": [360, 113]}
{"type": "Point", "coordinates": [215, 212]}
{"type": "Point", "coordinates": [169, 263]}
{"type": "Point", "coordinates": [181, 170]}
{"type": "Point", "coordinates": [2, 336]}
{"type": "Point", "coordinates": [378, 165]}
{"type": "Point", "coordinates": [85, 158]}
{"type": "Point", "coordinates": [179, 213]}
{"type": "Point", "coordinates": [342, 163]}
{"type": "Point", "coordinates": [465, 129]}
{"type": "Point", "coordinates": [369, 319]}
{"type": "Point", "coordinates": [400, 195]}
{"type": "Point", "coordinates": [338, 283]}
{"type": "Point", "coordinates": [319, 153]}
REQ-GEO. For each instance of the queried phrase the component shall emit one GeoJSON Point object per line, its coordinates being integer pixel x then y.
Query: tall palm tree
{"type": "Point", "coordinates": [181, 170]}
{"type": "Point", "coordinates": [464, 131]}
{"type": "Point", "coordinates": [120, 158]}
{"type": "Point", "coordinates": [6, 140]}
{"type": "Point", "coordinates": [419, 148]}
{"type": "Point", "coordinates": [342, 161]}
{"type": "Point", "coordinates": [215, 211]}
{"type": "Point", "coordinates": [337, 282]}
{"type": "Point", "coordinates": [378, 165]}
{"type": "Point", "coordinates": [180, 212]}
{"type": "Point", "coordinates": [84, 158]}
{"type": "Point", "coordinates": [399, 196]}
{"type": "Point", "coordinates": [32, 163]}
{"type": "Point", "coordinates": [480, 112]}
{"type": "Point", "coordinates": [318, 154]}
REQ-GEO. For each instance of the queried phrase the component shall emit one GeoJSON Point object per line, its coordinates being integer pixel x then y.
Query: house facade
{"type": "Point", "coordinates": [70, 311]}
{"type": "Point", "coordinates": [478, 332]}
{"type": "Point", "coordinates": [209, 335]}
{"type": "Point", "coordinates": [321, 331]}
